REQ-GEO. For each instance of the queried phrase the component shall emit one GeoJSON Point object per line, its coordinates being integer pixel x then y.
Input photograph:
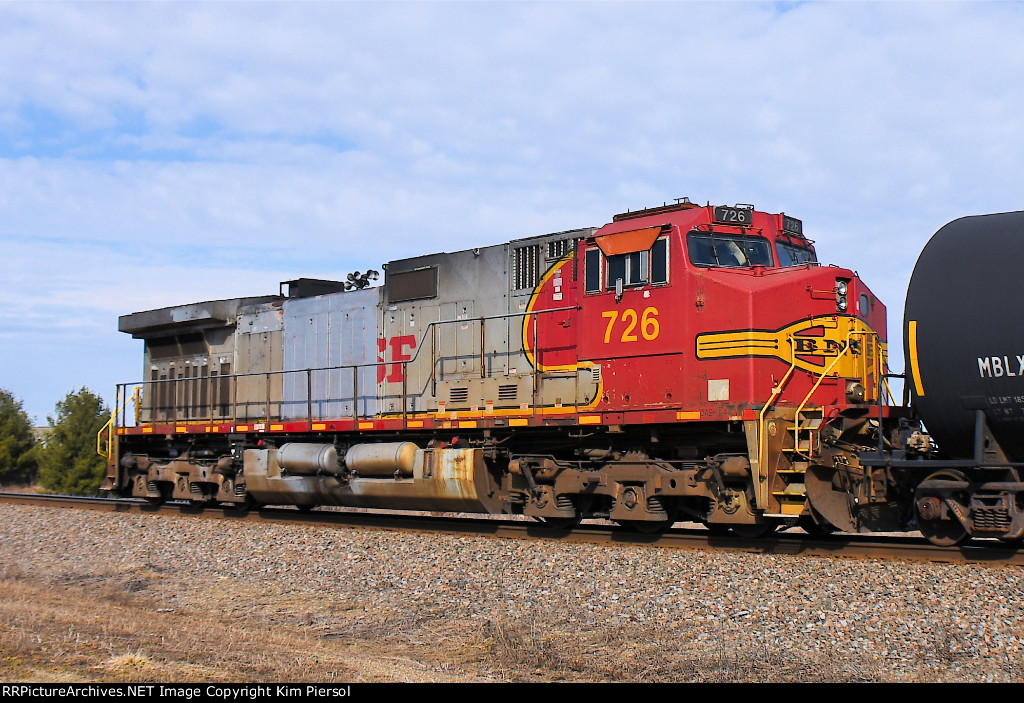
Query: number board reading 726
{"type": "Point", "coordinates": [734, 215]}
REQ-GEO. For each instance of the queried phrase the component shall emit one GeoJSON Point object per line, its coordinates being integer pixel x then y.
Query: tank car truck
{"type": "Point", "coordinates": [680, 363]}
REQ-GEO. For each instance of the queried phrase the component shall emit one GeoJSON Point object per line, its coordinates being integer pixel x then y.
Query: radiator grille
{"type": "Point", "coordinates": [508, 392]}
{"type": "Point", "coordinates": [458, 395]}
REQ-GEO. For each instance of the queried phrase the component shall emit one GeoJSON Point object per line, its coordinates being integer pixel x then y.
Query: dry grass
{"type": "Point", "coordinates": [116, 632]}
{"type": "Point", "coordinates": [148, 626]}
{"type": "Point", "coordinates": [531, 652]}
{"type": "Point", "coordinates": [155, 625]}
{"type": "Point", "coordinates": [120, 628]}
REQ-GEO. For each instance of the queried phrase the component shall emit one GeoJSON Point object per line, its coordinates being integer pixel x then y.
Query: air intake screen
{"type": "Point", "coordinates": [526, 267]}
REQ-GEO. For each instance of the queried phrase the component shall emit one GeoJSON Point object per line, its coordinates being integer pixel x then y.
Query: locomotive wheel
{"type": "Point", "coordinates": [755, 531]}
{"type": "Point", "coordinates": [716, 528]}
{"type": "Point", "coordinates": [248, 504]}
{"type": "Point", "coordinates": [561, 523]}
{"type": "Point", "coordinates": [816, 529]}
{"type": "Point", "coordinates": [928, 502]}
{"type": "Point", "coordinates": [647, 527]}
{"type": "Point", "coordinates": [812, 527]}
{"type": "Point", "coordinates": [165, 494]}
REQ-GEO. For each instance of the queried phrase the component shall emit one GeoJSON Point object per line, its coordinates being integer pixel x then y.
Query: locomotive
{"type": "Point", "coordinates": [680, 363]}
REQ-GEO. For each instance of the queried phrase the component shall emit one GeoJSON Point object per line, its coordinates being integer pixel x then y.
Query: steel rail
{"type": "Point", "coordinates": [898, 548]}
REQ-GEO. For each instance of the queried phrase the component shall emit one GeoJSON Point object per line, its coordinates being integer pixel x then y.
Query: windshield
{"type": "Point", "coordinates": [790, 255]}
{"type": "Point", "coordinates": [714, 249]}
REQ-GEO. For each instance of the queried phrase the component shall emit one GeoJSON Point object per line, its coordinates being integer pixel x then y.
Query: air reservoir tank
{"type": "Point", "coordinates": [963, 332]}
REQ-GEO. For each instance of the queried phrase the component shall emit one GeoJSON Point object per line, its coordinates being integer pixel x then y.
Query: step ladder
{"type": "Point", "coordinates": [787, 486]}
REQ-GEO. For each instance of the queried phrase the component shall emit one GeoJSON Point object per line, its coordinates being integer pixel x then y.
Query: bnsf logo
{"type": "Point", "coordinates": [824, 347]}
{"type": "Point", "coordinates": [811, 345]}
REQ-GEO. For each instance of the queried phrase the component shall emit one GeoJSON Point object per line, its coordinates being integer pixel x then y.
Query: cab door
{"type": "Point", "coordinates": [632, 319]}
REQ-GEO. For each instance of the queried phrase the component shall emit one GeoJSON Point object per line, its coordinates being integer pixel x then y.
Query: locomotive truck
{"type": "Point", "coordinates": [680, 363]}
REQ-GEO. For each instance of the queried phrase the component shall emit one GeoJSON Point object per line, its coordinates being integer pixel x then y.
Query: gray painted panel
{"type": "Point", "coordinates": [326, 334]}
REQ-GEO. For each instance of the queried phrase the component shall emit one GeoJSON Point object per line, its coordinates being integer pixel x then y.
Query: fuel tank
{"type": "Point", "coordinates": [963, 337]}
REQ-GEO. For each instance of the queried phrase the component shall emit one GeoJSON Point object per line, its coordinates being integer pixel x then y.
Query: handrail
{"type": "Point", "coordinates": [884, 381]}
{"type": "Point", "coordinates": [762, 447]}
{"type": "Point", "coordinates": [762, 440]}
{"type": "Point", "coordinates": [108, 426]}
{"type": "Point", "coordinates": [824, 374]}
{"type": "Point", "coordinates": [355, 368]}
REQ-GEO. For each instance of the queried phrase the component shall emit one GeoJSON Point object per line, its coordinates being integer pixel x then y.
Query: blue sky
{"type": "Point", "coordinates": [160, 153]}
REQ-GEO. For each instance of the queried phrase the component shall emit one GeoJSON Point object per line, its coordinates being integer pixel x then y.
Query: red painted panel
{"type": "Point", "coordinates": [551, 338]}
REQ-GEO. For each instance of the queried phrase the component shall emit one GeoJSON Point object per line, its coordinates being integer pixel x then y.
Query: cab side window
{"type": "Point", "coordinates": [636, 268]}
{"type": "Point", "coordinates": [593, 270]}
{"type": "Point", "coordinates": [659, 261]}
{"type": "Point", "coordinates": [631, 268]}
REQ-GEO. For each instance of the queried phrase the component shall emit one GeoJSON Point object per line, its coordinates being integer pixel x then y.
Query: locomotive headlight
{"type": "Point", "coordinates": [841, 290]}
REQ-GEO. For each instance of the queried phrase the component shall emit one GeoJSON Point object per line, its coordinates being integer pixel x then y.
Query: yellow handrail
{"type": "Point", "coordinates": [761, 487]}
{"type": "Point", "coordinates": [762, 447]}
{"type": "Point", "coordinates": [824, 374]}
{"type": "Point", "coordinates": [104, 445]}
{"type": "Point", "coordinates": [106, 429]}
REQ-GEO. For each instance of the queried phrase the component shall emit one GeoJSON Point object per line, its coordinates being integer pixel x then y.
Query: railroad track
{"type": "Point", "coordinates": [838, 545]}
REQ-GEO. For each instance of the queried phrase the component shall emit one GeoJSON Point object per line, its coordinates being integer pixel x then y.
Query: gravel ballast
{"type": "Point", "coordinates": [478, 608]}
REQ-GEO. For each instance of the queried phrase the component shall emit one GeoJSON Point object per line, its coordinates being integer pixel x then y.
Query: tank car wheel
{"type": "Point", "coordinates": [943, 533]}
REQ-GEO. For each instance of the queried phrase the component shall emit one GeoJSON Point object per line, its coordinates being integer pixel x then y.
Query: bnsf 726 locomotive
{"type": "Point", "coordinates": [681, 363]}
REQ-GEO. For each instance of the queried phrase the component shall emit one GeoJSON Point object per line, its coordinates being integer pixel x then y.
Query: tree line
{"type": "Point", "coordinates": [64, 459]}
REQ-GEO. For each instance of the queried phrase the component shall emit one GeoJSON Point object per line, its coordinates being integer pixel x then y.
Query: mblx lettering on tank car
{"type": "Point", "coordinates": [997, 366]}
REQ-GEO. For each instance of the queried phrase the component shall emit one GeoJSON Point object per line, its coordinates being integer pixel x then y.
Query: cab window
{"type": "Point", "coordinates": [728, 250]}
{"type": "Point", "coordinates": [792, 255]}
{"type": "Point", "coordinates": [593, 270]}
{"type": "Point", "coordinates": [636, 268]}
{"type": "Point", "coordinates": [631, 268]}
